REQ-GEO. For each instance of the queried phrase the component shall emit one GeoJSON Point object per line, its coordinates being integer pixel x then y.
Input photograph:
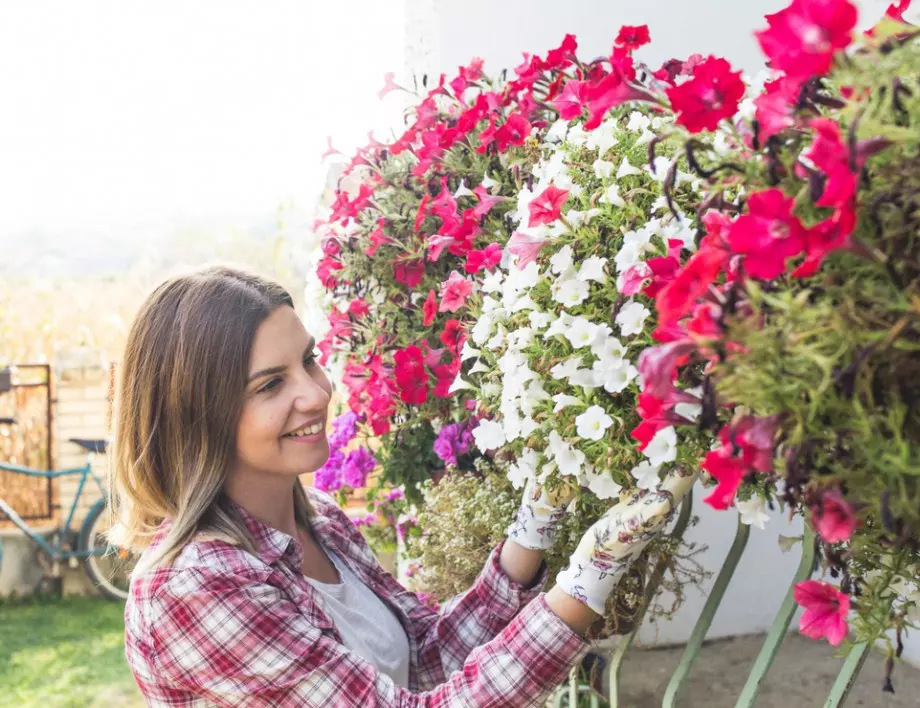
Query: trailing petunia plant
{"type": "Point", "coordinates": [803, 304]}
{"type": "Point", "coordinates": [561, 325]}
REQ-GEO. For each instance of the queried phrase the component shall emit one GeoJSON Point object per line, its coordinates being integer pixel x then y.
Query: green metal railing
{"type": "Point", "coordinates": [578, 694]}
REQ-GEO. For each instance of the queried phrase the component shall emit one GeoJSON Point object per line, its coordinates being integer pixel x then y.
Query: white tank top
{"type": "Point", "coordinates": [367, 626]}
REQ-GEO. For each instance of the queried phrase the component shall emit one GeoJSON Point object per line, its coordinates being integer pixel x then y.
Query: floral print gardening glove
{"type": "Point", "coordinates": [538, 516]}
{"type": "Point", "coordinates": [607, 549]}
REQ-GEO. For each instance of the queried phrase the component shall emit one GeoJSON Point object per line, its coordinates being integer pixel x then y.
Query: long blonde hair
{"type": "Point", "coordinates": [180, 395]}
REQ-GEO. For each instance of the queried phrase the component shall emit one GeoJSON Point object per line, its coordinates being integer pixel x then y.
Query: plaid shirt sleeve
{"type": "Point", "coordinates": [235, 640]}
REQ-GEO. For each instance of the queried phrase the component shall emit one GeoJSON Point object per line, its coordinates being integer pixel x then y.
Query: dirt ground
{"type": "Point", "coordinates": [801, 677]}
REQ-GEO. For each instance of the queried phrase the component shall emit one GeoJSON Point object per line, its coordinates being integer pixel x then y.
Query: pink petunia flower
{"type": "Point", "coordinates": [833, 518]}
{"type": "Point", "coordinates": [454, 292]}
{"type": "Point", "coordinates": [826, 610]}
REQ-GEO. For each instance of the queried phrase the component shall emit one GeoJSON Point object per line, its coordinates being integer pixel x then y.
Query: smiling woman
{"type": "Point", "coordinates": [251, 589]}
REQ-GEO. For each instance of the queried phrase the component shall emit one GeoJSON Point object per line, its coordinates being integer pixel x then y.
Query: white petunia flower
{"type": "Point", "coordinates": [603, 169]}
{"type": "Point", "coordinates": [606, 346]}
{"type": "Point", "coordinates": [539, 320]}
{"type": "Point", "coordinates": [563, 400]}
{"type": "Point", "coordinates": [528, 425]}
{"type": "Point", "coordinates": [646, 137]}
{"type": "Point", "coordinates": [663, 447]}
{"type": "Point", "coordinates": [482, 330]}
{"type": "Point", "coordinates": [566, 369]}
{"type": "Point", "coordinates": [612, 196]}
{"type": "Point", "coordinates": [557, 131]}
{"type": "Point", "coordinates": [627, 169]}
{"type": "Point", "coordinates": [489, 435]}
{"type": "Point", "coordinates": [488, 182]}
{"type": "Point", "coordinates": [479, 368]}
{"type": "Point", "coordinates": [468, 352]}
{"type": "Point", "coordinates": [492, 283]}
{"type": "Point", "coordinates": [638, 122]}
{"type": "Point", "coordinates": [631, 318]}
{"type": "Point", "coordinates": [586, 378]}
{"type": "Point", "coordinates": [592, 268]}
{"type": "Point", "coordinates": [570, 291]}
{"type": "Point", "coordinates": [616, 379]}
{"type": "Point", "coordinates": [559, 326]}
{"type": "Point", "coordinates": [593, 423]}
{"type": "Point", "coordinates": [533, 395]}
{"type": "Point", "coordinates": [561, 260]}
{"type": "Point", "coordinates": [646, 475]}
{"type": "Point", "coordinates": [567, 458]}
{"type": "Point", "coordinates": [604, 486]}
{"type": "Point", "coordinates": [459, 384]}
{"type": "Point", "coordinates": [581, 333]}
{"type": "Point", "coordinates": [577, 136]}
{"type": "Point", "coordinates": [752, 512]}
{"type": "Point", "coordinates": [463, 191]}
{"type": "Point", "coordinates": [497, 340]}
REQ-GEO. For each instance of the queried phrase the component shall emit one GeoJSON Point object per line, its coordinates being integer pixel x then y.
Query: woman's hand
{"type": "Point", "coordinates": [607, 549]}
{"type": "Point", "coordinates": [540, 512]}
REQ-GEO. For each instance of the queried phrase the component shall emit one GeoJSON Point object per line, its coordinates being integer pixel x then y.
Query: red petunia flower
{"type": "Point", "coordinates": [802, 39]}
{"type": "Point", "coordinates": [728, 471]}
{"type": "Point", "coordinates": [775, 107]}
{"type": "Point", "coordinates": [633, 37]}
{"type": "Point", "coordinates": [488, 258]}
{"type": "Point", "coordinates": [833, 518]}
{"type": "Point", "coordinates": [571, 101]}
{"type": "Point", "coordinates": [769, 234]}
{"type": "Point", "coordinates": [712, 94]}
{"type": "Point", "coordinates": [486, 202]}
{"type": "Point", "coordinates": [678, 297]}
{"type": "Point", "coordinates": [409, 273]}
{"type": "Point", "coordinates": [452, 337]}
{"type": "Point", "coordinates": [830, 235]}
{"type": "Point", "coordinates": [411, 377]}
{"type": "Point", "coordinates": [547, 207]}
{"type": "Point", "coordinates": [430, 308]}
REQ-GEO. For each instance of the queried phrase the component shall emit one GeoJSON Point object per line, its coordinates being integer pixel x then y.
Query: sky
{"type": "Point", "coordinates": [117, 112]}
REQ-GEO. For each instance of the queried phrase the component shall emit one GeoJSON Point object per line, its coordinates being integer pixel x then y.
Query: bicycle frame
{"type": "Point", "coordinates": [55, 551]}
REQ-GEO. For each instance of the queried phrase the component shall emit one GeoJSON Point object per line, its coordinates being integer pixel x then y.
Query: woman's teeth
{"type": "Point", "coordinates": [309, 430]}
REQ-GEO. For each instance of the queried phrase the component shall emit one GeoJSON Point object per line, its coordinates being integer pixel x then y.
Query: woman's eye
{"type": "Point", "coordinates": [270, 385]}
{"type": "Point", "coordinates": [309, 360]}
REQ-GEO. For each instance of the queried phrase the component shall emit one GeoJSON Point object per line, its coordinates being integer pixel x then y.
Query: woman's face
{"type": "Point", "coordinates": [282, 429]}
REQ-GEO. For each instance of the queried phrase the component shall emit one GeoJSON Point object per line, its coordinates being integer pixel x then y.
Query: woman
{"type": "Point", "coordinates": [253, 591]}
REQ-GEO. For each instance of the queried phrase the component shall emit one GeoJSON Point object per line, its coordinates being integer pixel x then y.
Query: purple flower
{"type": "Point", "coordinates": [328, 478]}
{"type": "Point", "coordinates": [344, 429]}
{"type": "Point", "coordinates": [453, 440]}
{"type": "Point", "coordinates": [395, 495]}
{"type": "Point", "coordinates": [359, 464]}
{"type": "Point", "coordinates": [368, 520]}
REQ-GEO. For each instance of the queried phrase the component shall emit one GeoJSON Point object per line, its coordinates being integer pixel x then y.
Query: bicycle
{"type": "Point", "coordinates": [108, 567]}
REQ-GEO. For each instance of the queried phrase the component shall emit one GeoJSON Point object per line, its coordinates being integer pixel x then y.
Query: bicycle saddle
{"type": "Point", "coordinates": [96, 446]}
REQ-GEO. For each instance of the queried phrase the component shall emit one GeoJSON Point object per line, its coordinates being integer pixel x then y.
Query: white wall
{"type": "Point", "coordinates": [442, 35]}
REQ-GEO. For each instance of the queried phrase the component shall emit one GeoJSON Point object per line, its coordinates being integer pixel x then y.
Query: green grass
{"type": "Point", "coordinates": [61, 653]}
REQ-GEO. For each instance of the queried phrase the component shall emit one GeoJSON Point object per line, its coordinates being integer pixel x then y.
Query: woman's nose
{"type": "Point", "coordinates": [311, 395]}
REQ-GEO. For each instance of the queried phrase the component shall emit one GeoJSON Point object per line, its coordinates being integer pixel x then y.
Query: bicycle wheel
{"type": "Point", "coordinates": [108, 567]}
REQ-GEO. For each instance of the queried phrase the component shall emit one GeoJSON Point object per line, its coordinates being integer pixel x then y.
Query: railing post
{"type": "Point", "coordinates": [847, 676]}
{"type": "Point", "coordinates": [705, 621]}
{"type": "Point", "coordinates": [780, 624]}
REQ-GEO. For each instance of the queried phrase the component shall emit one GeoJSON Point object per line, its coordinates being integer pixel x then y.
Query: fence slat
{"type": "Point", "coordinates": [654, 580]}
{"type": "Point", "coordinates": [780, 624]}
{"type": "Point", "coordinates": [709, 611]}
{"type": "Point", "coordinates": [847, 676]}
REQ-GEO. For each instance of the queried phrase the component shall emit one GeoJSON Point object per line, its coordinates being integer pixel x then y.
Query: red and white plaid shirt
{"type": "Point", "coordinates": [223, 627]}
